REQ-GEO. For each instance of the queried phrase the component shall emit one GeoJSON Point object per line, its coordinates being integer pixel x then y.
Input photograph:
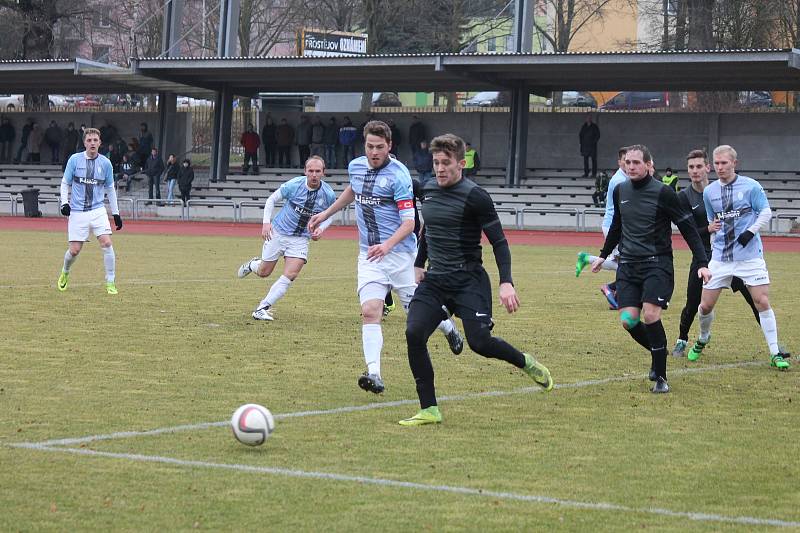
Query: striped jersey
{"type": "Point", "coordinates": [88, 178]}
{"type": "Point", "coordinates": [300, 203]}
{"type": "Point", "coordinates": [381, 194]}
{"type": "Point", "coordinates": [737, 206]}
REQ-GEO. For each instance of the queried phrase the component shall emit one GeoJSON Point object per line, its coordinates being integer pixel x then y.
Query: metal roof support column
{"type": "Point", "coordinates": [223, 108]}
{"type": "Point", "coordinates": [518, 134]}
{"type": "Point", "coordinates": [167, 102]}
{"type": "Point", "coordinates": [223, 117]}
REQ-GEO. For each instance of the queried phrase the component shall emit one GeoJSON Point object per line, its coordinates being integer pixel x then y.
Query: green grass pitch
{"type": "Point", "coordinates": [177, 346]}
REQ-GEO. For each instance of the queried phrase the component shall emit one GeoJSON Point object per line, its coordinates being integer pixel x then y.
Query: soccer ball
{"type": "Point", "coordinates": [252, 424]}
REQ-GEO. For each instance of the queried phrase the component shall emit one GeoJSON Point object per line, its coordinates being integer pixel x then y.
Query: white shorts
{"type": "Point", "coordinates": [394, 271]}
{"type": "Point", "coordinates": [752, 271]}
{"type": "Point", "coordinates": [81, 223]}
{"type": "Point", "coordinates": [286, 246]}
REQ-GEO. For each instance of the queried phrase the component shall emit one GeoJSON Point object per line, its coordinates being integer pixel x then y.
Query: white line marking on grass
{"type": "Point", "coordinates": [51, 284]}
{"type": "Point", "coordinates": [378, 405]}
{"type": "Point", "coordinates": [468, 491]}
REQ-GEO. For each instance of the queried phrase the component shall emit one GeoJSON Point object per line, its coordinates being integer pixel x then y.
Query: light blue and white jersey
{"type": "Point", "coordinates": [736, 205]}
{"type": "Point", "coordinates": [300, 203]}
{"type": "Point", "coordinates": [381, 194]}
{"type": "Point", "coordinates": [618, 177]}
{"type": "Point", "coordinates": [88, 178]}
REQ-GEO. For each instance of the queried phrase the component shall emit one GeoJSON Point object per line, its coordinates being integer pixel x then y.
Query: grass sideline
{"type": "Point", "coordinates": [177, 346]}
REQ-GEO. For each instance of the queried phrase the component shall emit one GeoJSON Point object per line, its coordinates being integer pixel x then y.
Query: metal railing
{"type": "Point", "coordinates": [248, 203]}
{"type": "Point", "coordinates": [212, 203]}
{"type": "Point", "coordinates": [511, 211]}
{"type": "Point", "coordinates": [548, 211]}
{"type": "Point", "coordinates": [777, 217]}
{"type": "Point", "coordinates": [12, 201]}
{"type": "Point", "coordinates": [590, 211]}
{"type": "Point", "coordinates": [139, 202]}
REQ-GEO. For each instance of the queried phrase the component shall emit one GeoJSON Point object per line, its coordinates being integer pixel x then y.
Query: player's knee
{"type": "Point", "coordinates": [651, 315]}
{"type": "Point", "coordinates": [414, 335]}
{"type": "Point", "coordinates": [479, 340]}
{"type": "Point", "coordinates": [628, 319]}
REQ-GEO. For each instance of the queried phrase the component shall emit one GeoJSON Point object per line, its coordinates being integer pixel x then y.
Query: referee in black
{"type": "Point", "coordinates": [643, 211]}
{"type": "Point", "coordinates": [456, 211]}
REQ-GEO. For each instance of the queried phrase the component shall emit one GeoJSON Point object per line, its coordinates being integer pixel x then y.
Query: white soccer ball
{"type": "Point", "coordinates": [252, 424]}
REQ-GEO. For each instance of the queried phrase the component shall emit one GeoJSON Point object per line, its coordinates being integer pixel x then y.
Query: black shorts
{"type": "Point", "coordinates": [649, 281]}
{"type": "Point", "coordinates": [468, 295]}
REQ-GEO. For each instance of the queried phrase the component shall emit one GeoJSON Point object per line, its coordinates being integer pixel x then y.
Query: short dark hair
{"type": "Point", "coordinates": [646, 156]}
{"type": "Point", "coordinates": [694, 154]}
{"type": "Point", "coordinates": [379, 129]}
{"type": "Point", "coordinates": [450, 144]}
{"type": "Point", "coordinates": [622, 151]}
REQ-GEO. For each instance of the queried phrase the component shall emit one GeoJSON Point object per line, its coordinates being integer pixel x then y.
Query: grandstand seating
{"type": "Point", "coordinates": [545, 198]}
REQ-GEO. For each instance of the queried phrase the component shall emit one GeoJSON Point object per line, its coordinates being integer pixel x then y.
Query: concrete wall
{"type": "Point", "coordinates": [765, 141]}
{"type": "Point", "coordinates": [127, 125]}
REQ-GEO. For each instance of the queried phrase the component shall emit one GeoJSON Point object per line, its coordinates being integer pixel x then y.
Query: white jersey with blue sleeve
{"type": "Point", "coordinates": [618, 177]}
{"type": "Point", "coordinates": [736, 205]}
{"type": "Point", "coordinates": [383, 196]}
{"type": "Point", "coordinates": [89, 178]}
{"type": "Point", "coordinates": [300, 203]}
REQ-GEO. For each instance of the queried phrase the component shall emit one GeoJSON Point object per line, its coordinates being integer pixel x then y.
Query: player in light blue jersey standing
{"type": "Point", "coordinates": [288, 234]}
{"type": "Point", "coordinates": [740, 205]}
{"type": "Point", "coordinates": [609, 290]}
{"type": "Point", "coordinates": [91, 178]}
{"type": "Point", "coordinates": [382, 189]}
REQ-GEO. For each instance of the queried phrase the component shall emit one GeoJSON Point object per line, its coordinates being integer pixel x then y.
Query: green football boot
{"type": "Point", "coordinates": [538, 372]}
{"type": "Point", "coordinates": [429, 415]}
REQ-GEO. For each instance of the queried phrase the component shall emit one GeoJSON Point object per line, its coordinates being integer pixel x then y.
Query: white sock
{"type": "Point", "coordinates": [705, 324]}
{"type": "Point", "coordinates": [445, 326]}
{"type": "Point", "coordinates": [372, 339]}
{"type": "Point", "coordinates": [770, 328]}
{"type": "Point", "coordinates": [68, 260]}
{"type": "Point", "coordinates": [110, 261]}
{"type": "Point", "coordinates": [608, 264]}
{"type": "Point", "coordinates": [254, 264]}
{"type": "Point", "coordinates": [276, 292]}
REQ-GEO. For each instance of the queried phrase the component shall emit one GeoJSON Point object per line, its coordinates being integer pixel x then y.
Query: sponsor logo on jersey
{"type": "Point", "coordinates": [726, 215]}
{"type": "Point", "coordinates": [302, 211]}
{"type": "Point", "coordinates": [368, 200]}
{"type": "Point", "coordinates": [89, 181]}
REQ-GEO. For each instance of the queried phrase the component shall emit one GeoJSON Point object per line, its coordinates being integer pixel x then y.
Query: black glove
{"type": "Point", "coordinates": [745, 237]}
{"type": "Point", "coordinates": [65, 210]}
{"type": "Point", "coordinates": [118, 222]}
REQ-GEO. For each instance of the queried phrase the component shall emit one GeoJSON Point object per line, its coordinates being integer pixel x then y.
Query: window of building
{"type": "Point", "coordinates": [101, 53]}
{"type": "Point", "coordinates": [491, 44]}
{"type": "Point", "coordinates": [101, 20]}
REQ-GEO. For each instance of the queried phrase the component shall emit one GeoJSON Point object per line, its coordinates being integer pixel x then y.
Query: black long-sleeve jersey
{"type": "Point", "coordinates": [643, 210]}
{"type": "Point", "coordinates": [692, 202]}
{"type": "Point", "coordinates": [454, 218]}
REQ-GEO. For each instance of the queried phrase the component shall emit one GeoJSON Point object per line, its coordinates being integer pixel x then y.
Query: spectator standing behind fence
{"type": "Point", "coordinates": [7, 134]}
{"type": "Point", "coordinates": [153, 167]}
{"type": "Point", "coordinates": [284, 137]}
{"type": "Point", "coordinates": [317, 137]}
{"type": "Point", "coordinates": [348, 135]}
{"type": "Point", "coordinates": [670, 179]}
{"type": "Point", "coordinates": [416, 134]}
{"type": "Point", "coordinates": [304, 135]}
{"type": "Point", "coordinates": [330, 137]}
{"type": "Point", "coordinates": [472, 161]}
{"type": "Point", "coordinates": [146, 143]}
{"type": "Point", "coordinates": [171, 176]}
{"type": "Point", "coordinates": [185, 179]}
{"type": "Point", "coordinates": [589, 136]}
{"type": "Point", "coordinates": [251, 142]}
{"type": "Point", "coordinates": [35, 140]}
{"type": "Point", "coordinates": [269, 138]}
{"type": "Point", "coordinates": [23, 140]}
{"type": "Point", "coordinates": [71, 139]}
{"type": "Point", "coordinates": [423, 163]}
{"type": "Point", "coordinates": [53, 136]}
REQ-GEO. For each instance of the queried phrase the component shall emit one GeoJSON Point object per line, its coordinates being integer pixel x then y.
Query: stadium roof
{"type": "Point", "coordinates": [710, 70]}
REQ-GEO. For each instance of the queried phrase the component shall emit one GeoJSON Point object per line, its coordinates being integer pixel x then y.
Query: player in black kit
{"type": "Point", "coordinates": [691, 200]}
{"type": "Point", "coordinates": [643, 211]}
{"type": "Point", "coordinates": [456, 211]}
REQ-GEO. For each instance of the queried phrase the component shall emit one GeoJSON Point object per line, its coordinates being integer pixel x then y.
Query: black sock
{"type": "Point", "coordinates": [388, 300]}
{"type": "Point", "coordinates": [613, 286]}
{"type": "Point", "coordinates": [640, 335]}
{"type": "Point", "coordinates": [658, 350]}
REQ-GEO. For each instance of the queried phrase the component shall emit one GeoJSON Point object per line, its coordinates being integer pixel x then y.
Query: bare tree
{"type": "Point", "coordinates": [339, 15]}
{"type": "Point", "coordinates": [568, 18]}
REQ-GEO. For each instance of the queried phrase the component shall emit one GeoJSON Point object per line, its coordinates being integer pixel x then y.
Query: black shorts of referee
{"type": "Point", "coordinates": [651, 281]}
{"type": "Point", "coordinates": [466, 294]}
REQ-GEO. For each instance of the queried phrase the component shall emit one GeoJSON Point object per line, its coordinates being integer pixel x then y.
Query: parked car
{"type": "Point", "coordinates": [59, 100]}
{"type": "Point", "coordinates": [576, 99]}
{"type": "Point", "coordinates": [755, 98]}
{"type": "Point", "coordinates": [626, 100]}
{"type": "Point", "coordinates": [12, 101]}
{"type": "Point", "coordinates": [88, 100]}
{"type": "Point", "coordinates": [386, 100]}
{"type": "Point", "coordinates": [489, 99]}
